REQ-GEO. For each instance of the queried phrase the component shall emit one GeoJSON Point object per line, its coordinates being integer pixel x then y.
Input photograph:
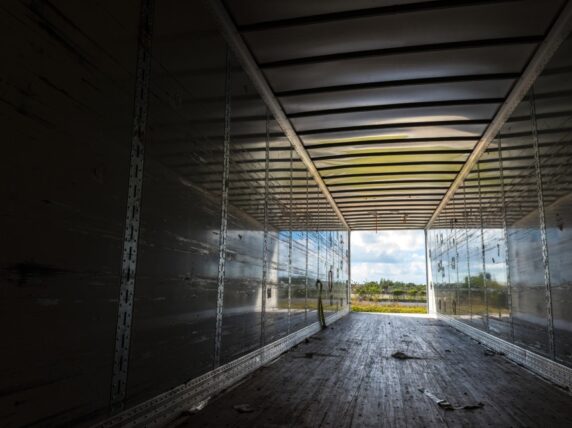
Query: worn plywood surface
{"type": "Point", "coordinates": [352, 380]}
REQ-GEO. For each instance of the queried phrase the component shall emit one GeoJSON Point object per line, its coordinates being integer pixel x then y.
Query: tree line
{"type": "Point", "coordinates": [396, 289]}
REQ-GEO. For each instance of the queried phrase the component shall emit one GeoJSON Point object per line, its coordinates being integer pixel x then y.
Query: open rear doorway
{"type": "Point", "coordinates": [389, 271]}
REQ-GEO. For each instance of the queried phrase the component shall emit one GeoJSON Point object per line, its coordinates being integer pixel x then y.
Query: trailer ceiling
{"type": "Point", "coordinates": [389, 98]}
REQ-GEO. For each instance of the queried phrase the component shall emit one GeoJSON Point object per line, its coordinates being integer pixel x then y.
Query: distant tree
{"type": "Point", "coordinates": [388, 284]}
{"type": "Point", "coordinates": [367, 289]}
{"type": "Point", "coordinates": [371, 290]}
{"type": "Point", "coordinates": [478, 281]}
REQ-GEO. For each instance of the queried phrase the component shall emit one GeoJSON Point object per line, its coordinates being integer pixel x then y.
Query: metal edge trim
{"type": "Point", "coordinates": [541, 366]}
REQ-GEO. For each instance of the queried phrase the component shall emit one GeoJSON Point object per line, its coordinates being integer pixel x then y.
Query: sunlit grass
{"type": "Point", "coordinates": [388, 309]}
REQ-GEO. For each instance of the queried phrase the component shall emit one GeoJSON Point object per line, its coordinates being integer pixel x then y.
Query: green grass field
{"type": "Point", "coordinates": [394, 308]}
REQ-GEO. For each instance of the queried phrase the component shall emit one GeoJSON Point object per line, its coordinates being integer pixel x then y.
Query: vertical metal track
{"type": "Point", "coordinates": [483, 251]}
{"type": "Point", "coordinates": [427, 279]}
{"type": "Point", "coordinates": [541, 216]}
{"type": "Point", "coordinates": [307, 246]}
{"type": "Point", "coordinates": [132, 220]}
{"type": "Point", "coordinates": [349, 283]}
{"type": "Point", "coordinates": [440, 263]}
{"type": "Point", "coordinates": [330, 266]}
{"type": "Point", "coordinates": [456, 243]}
{"type": "Point", "coordinates": [506, 243]}
{"type": "Point", "coordinates": [448, 246]}
{"type": "Point", "coordinates": [265, 243]}
{"type": "Point", "coordinates": [290, 215]}
{"type": "Point", "coordinates": [320, 249]}
{"type": "Point", "coordinates": [224, 209]}
{"type": "Point", "coordinates": [468, 253]}
{"type": "Point", "coordinates": [318, 235]}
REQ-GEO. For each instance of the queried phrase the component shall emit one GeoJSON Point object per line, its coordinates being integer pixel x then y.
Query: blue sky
{"type": "Point", "coordinates": [397, 255]}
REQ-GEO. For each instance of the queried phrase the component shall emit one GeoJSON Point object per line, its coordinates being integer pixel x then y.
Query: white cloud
{"type": "Point", "coordinates": [397, 255]}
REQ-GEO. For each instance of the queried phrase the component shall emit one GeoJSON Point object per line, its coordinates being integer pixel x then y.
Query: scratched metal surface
{"type": "Point", "coordinates": [514, 300]}
{"type": "Point", "coordinates": [553, 108]}
{"type": "Point", "coordinates": [523, 231]}
{"type": "Point", "coordinates": [176, 282]}
{"type": "Point", "coordinates": [67, 94]}
{"type": "Point", "coordinates": [174, 326]}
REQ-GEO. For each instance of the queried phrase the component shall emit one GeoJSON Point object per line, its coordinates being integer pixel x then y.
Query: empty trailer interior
{"type": "Point", "coordinates": [180, 180]}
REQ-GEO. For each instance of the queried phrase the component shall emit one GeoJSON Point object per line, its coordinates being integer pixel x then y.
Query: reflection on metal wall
{"type": "Point", "coordinates": [501, 251]}
{"type": "Point", "coordinates": [203, 295]}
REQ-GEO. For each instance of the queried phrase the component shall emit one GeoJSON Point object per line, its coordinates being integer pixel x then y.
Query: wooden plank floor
{"type": "Point", "coordinates": [351, 380]}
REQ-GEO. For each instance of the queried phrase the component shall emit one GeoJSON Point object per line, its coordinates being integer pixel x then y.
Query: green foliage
{"type": "Point", "coordinates": [388, 290]}
{"type": "Point", "coordinates": [387, 286]}
{"type": "Point", "coordinates": [478, 281]}
{"type": "Point", "coordinates": [395, 309]}
{"type": "Point", "coordinates": [367, 289]}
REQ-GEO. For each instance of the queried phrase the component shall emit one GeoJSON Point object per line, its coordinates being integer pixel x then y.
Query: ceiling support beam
{"type": "Point", "coordinates": [557, 34]}
{"type": "Point", "coordinates": [367, 12]}
{"type": "Point", "coordinates": [510, 41]}
{"type": "Point", "coordinates": [244, 56]}
{"type": "Point", "coordinates": [398, 83]}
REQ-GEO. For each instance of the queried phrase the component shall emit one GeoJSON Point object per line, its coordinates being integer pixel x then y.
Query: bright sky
{"type": "Point", "coordinates": [396, 255]}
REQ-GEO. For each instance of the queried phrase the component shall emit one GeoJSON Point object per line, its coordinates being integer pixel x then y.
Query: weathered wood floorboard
{"type": "Point", "coordinates": [345, 376]}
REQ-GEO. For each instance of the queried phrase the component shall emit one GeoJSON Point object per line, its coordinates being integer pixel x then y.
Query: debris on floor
{"type": "Point", "coordinates": [403, 356]}
{"type": "Point", "coordinates": [479, 405]}
{"type": "Point", "coordinates": [243, 408]}
{"type": "Point", "coordinates": [444, 404]}
{"type": "Point", "coordinates": [199, 406]}
{"type": "Point", "coordinates": [315, 354]}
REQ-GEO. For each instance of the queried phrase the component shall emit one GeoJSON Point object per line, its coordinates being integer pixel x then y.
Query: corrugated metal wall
{"type": "Point", "coordinates": [68, 85]}
{"type": "Point", "coordinates": [501, 251]}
